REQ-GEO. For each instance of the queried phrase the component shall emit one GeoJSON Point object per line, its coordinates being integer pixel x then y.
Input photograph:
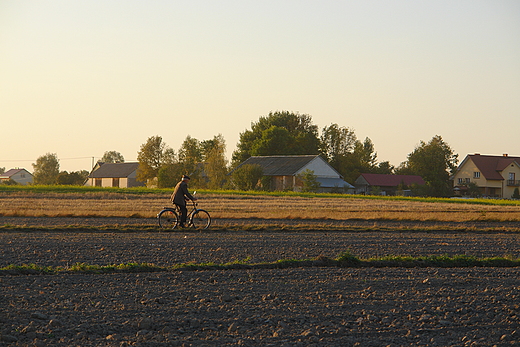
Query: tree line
{"type": "Point", "coordinates": [278, 133]}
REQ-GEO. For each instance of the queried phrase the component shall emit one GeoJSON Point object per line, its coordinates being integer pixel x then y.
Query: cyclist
{"type": "Point", "coordinates": [180, 196]}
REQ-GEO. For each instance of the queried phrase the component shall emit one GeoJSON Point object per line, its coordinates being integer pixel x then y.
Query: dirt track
{"type": "Point", "coordinates": [290, 307]}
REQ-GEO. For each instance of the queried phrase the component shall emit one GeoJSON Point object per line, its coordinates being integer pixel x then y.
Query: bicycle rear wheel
{"type": "Point", "coordinates": [200, 219]}
{"type": "Point", "coordinates": [168, 219]}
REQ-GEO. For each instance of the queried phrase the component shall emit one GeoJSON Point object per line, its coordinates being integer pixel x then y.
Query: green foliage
{"type": "Point", "coordinates": [348, 259]}
{"type": "Point", "coordinates": [349, 156]}
{"type": "Point", "coordinates": [383, 167]}
{"type": "Point", "coordinates": [112, 157]}
{"type": "Point", "coordinates": [247, 177]}
{"type": "Point", "coordinates": [190, 156]}
{"type": "Point", "coordinates": [75, 178]}
{"type": "Point", "coordinates": [473, 190]}
{"type": "Point", "coordinates": [46, 169]}
{"type": "Point", "coordinates": [273, 141]}
{"type": "Point", "coordinates": [265, 183]}
{"type": "Point", "coordinates": [345, 259]}
{"type": "Point", "coordinates": [336, 143]}
{"type": "Point", "coordinates": [434, 161]}
{"type": "Point", "coordinates": [152, 155]}
{"type": "Point", "coordinates": [375, 190]}
{"type": "Point", "coordinates": [309, 180]}
{"type": "Point", "coordinates": [9, 182]}
{"type": "Point", "coordinates": [215, 163]}
{"type": "Point", "coordinates": [283, 133]}
{"type": "Point", "coordinates": [516, 194]}
{"type": "Point", "coordinates": [168, 175]}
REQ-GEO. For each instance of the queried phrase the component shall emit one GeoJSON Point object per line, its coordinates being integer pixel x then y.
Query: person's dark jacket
{"type": "Point", "coordinates": [180, 194]}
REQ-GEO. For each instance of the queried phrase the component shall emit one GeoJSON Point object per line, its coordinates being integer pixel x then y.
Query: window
{"type": "Point", "coordinates": [115, 182]}
{"type": "Point", "coordinates": [511, 176]}
{"type": "Point", "coordinates": [468, 180]}
{"type": "Point", "coordinates": [98, 182]}
{"type": "Point", "coordinates": [461, 180]}
{"type": "Point", "coordinates": [476, 174]}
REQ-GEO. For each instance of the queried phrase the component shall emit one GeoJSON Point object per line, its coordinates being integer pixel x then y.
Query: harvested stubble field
{"type": "Point", "coordinates": [255, 306]}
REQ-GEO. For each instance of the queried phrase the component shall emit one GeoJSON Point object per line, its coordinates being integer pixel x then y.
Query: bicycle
{"type": "Point", "coordinates": [169, 218]}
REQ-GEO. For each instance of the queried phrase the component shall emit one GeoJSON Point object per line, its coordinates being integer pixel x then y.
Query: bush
{"type": "Point", "coordinates": [247, 177]}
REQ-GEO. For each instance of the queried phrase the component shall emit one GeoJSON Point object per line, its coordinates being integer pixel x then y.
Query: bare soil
{"type": "Point", "coordinates": [256, 307]}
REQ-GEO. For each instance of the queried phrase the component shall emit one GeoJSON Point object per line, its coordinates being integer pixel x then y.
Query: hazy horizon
{"type": "Point", "coordinates": [85, 77]}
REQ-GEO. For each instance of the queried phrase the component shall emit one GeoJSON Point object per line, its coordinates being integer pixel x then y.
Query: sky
{"type": "Point", "coordinates": [79, 78]}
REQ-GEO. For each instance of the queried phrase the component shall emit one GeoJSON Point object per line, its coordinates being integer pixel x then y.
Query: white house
{"type": "Point", "coordinates": [122, 175]}
{"type": "Point", "coordinates": [285, 169]}
{"type": "Point", "coordinates": [20, 176]}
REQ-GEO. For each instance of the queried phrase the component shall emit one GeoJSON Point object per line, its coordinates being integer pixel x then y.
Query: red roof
{"type": "Point", "coordinates": [491, 165]}
{"type": "Point", "coordinates": [384, 180]}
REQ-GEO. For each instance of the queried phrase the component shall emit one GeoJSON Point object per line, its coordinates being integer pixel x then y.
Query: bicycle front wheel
{"type": "Point", "coordinates": [201, 219]}
{"type": "Point", "coordinates": [168, 219]}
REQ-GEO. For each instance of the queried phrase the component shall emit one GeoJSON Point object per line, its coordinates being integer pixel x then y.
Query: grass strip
{"type": "Point", "coordinates": [143, 190]}
{"type": "Point", "coordinates": [300, 227]}
{"type": "Point", "coordinates": [344, 260]}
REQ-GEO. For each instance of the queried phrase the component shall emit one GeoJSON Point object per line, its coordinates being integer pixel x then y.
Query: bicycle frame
{"type": "Point", "coordinates": [196, 218]}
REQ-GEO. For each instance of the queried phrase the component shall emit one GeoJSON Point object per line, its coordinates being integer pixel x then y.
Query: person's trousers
{"type": "Point", "coordinates": [184, 213]}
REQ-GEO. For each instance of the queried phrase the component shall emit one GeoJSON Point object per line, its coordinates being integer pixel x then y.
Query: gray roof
{"type": "Point", "coordinates": [12, 172]}
{"type": "Point", "coordinates": [114, 170]}
{"type": "Point", "coordinates": [280, 165]}
{"type": "Point", "coordinates": [326, 182]}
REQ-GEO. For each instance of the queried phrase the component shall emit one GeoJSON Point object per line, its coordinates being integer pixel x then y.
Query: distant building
{"type": "Point", "coordinates": [284, 171]}
{"type": "Point", "coordinates": [122, 175]}
{"type": "Point", "coordinates": [496, 176]}
{"type": "Point", "coordinates": [386, 184]}
{"type": "Point", "coordinates": [20, 176]}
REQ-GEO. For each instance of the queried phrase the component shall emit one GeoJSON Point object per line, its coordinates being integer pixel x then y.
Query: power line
{"type": "Point", "coordinates": [17, 160]}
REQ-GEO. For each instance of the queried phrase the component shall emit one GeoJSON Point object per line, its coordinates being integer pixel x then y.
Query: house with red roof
{"type": "Point", "coordinates": [385, 183]}
{"type": "Point", "coordinates": [496, 176]}
{"type": "Point", "coordinates": [20, 176]}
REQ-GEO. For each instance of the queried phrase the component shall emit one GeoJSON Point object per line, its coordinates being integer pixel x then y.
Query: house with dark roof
{"type": "Point", "coordinates": [20, 176]}
{"type": "Point", "coordinates": [122, 175]}
{"type": "Point", "coordinates": [496, 176]}
{"type": "Point", "coordinates": [285, 170]}
{"type": "Point", "coordinates": [386, 184]}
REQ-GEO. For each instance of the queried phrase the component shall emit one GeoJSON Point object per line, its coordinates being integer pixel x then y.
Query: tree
{"type": "Point", "coordinates": [273, 141]}
{"type": "Point", "coordinates": [336, 144]}
{"type": "Point", "coordinates": [309, 180]}
{"type": "Point", "coordinates": [168, 176]}
{"type": "Point", "coordinates": [281, 132]}
{"type": "Point", "coordinates": [473, 190]}
{"type": "Point", "coordinates": [152, 155]}
{"type": "Point", "coordinates": [384, 167]}
{"type": "Point", "coordinates": [112, 157]}
{"type": "Point", "coordinates": [190, 159]}
{"type": "Point", "coordinates": [75, 178]}
{"type": "Point", "coordinates": [516, 194]}
{"type": "Point", "coordinates": [247, 176]}
{"type": "Point", "coordinates": [435, 162]}
{"type": "Point", "coordinates": [215, 163]}
{"type": "Point", "coordinates": [349, 156]}
{"type": "Point", "coordinates": [2, 170]}
{"type": "Point", "coordinates": [46, 169]}
{"type": "Point", "coordinates": [366, 155]}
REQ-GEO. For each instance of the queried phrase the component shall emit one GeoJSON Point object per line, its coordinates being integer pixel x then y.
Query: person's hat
{"type": "Point", "coordinates": [184, 177]}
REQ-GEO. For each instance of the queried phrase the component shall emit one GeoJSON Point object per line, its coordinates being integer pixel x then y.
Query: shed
{"type": "Point", "coordinates": [122, 175]}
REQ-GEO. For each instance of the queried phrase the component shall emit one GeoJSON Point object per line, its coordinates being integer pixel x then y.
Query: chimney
{"type": "Point", "coordinates": [477, 153]}
{"type": "Point", "coordinates": [505, 154]}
